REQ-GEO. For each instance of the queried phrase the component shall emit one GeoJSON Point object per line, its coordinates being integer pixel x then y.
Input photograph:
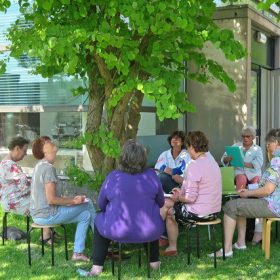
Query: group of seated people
{"type": "Point", "coordinates": [132, 203]}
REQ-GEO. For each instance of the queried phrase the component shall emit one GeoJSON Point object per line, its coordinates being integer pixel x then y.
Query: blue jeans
{"type": "Point", "coordinates": [83, 214]}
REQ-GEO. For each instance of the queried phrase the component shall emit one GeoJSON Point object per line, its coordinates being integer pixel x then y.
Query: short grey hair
{"type": "Point", "coordinates": [249, 130]}
{"type": "Point", "coordinates": [133, 158]}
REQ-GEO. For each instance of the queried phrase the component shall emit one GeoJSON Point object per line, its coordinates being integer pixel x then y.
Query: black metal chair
{"type": "Point", "coordinates": [139, 258]}
{"type": "Point", "coordinates": [4, 225]}
{"type": "Point", "coordinates": [51, 227]}
{"type": "Point", "coordinates": [212, 225]}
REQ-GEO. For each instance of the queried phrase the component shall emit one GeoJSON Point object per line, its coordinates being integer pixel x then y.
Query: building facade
{"type": "Point", "coordinates": [222, 114]}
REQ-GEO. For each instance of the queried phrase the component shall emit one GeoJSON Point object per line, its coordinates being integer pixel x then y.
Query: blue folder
{"type": "Point", "coordinates": [237, 155]}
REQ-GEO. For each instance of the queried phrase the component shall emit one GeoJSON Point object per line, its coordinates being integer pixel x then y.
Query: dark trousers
{"type": "Point", "coordinates": [167, 182]}
{"type": "Point", "coordinates": [101, 245]}
{"type": "Point", "coordinates": [250, 229]}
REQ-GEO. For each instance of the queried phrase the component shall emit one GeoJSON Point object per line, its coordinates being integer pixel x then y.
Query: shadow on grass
{"type": "Point", "coordinates": [248, 264]}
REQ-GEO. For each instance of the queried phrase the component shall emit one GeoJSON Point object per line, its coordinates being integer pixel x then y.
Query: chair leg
{"type": "Point", "coordinates": [189, 243]}
{"type": "Point", "coordinates": [267, 239]}
{"type": "Point", "coordinates": [113, 259]}
{"type": "Point", "coordinates": [139, 256]}
{"type": "Point", "coordinates": [4, 228]}
{"type": "Point", "coordinates": [264, 233]}
{"type": "Point", "coordinates": [27, 223]}
{"type": "Point", "coordinates": [42, 242]}
{"type": "Point", "coordinates": [197, 242]}
{"type": "Point", "coordinates": [52, 244]}
{"type": "Point", "coordinates": [65, 242]}
{"type": "Point", "coordinates": [223, 241]}
{"type": "Point", "coordinates": [276, 229]}
{"type": "Point", "coordinates": [119, 261]}
{"type": "Point", "coordinates": [209, 232]}
{"type": "Point", "coordinates": [148, 259]}
{"type": "Point", "coordinates": [214, 245]}
{"type": "Point", "coordinates": [29, 249]}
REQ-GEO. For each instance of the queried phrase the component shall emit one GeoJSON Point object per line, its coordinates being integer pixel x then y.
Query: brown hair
{"type": "Point", "coordinates": [198, 140]}
{"type": "Point", "coordinates": [179, 134]}
{"type": "Point", "coordinates": [37, 146]}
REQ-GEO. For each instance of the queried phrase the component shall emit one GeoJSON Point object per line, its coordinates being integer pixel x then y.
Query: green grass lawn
{"type": "Point", "coordinates": [249, 264]}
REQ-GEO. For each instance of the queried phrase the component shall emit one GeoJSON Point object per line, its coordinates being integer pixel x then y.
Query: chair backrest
{"type": "Point", "coordinates": [228, 180]}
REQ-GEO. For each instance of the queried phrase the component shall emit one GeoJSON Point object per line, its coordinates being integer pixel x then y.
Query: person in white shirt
{"type": "Point", "coordinates": [172, 163]}
{"type": "Point", "coordinates": [250, 173]}
{"type": "Point", "coordinates": [253, 160]}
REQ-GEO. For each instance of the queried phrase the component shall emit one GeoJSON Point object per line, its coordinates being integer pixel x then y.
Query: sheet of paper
{"type": "Point", "coordinates": [237, 155]}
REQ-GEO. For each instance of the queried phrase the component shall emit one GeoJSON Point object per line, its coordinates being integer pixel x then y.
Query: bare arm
{"type": "Point", "coordinates": [52, 199]}
{"type": "Point", "coordinates": [266, 190]}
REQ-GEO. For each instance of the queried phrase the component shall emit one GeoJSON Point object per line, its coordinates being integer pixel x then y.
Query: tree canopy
{"type": "Point", "coordinates": [124, 50]}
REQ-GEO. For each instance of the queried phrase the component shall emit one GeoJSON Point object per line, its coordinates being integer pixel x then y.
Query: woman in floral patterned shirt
{"type": "Point", "coordinates": [264, 202]}
{"type": "Point", "coordinates": [14, 184]}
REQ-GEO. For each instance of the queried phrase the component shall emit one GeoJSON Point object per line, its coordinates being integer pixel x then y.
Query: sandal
{"type": "Point", "coordinates": [80, 257]}
{"type": "Point", "coordinates": [48, 241]}
{"type": "Point", "coordinates": [95, 270]}
{"type": "Point", "coordinates": [57, 238]}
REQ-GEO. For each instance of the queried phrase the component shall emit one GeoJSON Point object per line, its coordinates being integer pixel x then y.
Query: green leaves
{"type": "Point", "coordinates": [103, 139]}
{"type": "Point", "coordinates": [2, 67]}
{"type": "Point", "coordinates": [79, 91]}
{"type": "Point", "coordinates": [4, 5]}
{"type": "Point", "coordinates": [46, 5]}
{"type": "Point", "coordinates": [80, 177]}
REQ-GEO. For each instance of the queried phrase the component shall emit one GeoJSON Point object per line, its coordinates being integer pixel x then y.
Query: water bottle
{"type": "Point", "coordinates": [82, 272]}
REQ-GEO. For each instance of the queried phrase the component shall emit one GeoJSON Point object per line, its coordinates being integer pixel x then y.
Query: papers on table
{"type": "Point", "coordinates": [237, 155]}
{"type": "Point", "coordinates": [253, 186]}
{"type": "Point", "coordinates": [63, 177]}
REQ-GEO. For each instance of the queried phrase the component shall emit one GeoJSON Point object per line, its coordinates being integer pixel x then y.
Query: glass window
{"type": "Point", "coordinates": [61, 126]}
{"type": "Point", "coordinates": [263, 53]}
{"type": "Point", "coordinates": [253, 97]}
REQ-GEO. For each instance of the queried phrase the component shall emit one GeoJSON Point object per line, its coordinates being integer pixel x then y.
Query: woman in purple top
{"type": "Point", "coordinates": [130, 200]}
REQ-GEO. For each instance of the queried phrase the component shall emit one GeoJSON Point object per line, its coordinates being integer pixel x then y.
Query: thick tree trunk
{"type": "Point", "coordinates": [134, 116]}
{"type": "Point", "coordinates": [94, 118]}
{"type": "Point", "coordinates": [118, 126]}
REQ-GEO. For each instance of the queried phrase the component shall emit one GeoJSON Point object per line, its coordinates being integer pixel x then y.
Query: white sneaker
{"type": "Point", "coordinates": [155, 265]}
{"type": "Point", "coordinates": [237, 247]}
{"type": "Point", "coordinates": [227, 255]}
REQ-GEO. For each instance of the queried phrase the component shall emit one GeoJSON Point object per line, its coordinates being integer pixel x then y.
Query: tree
{"type": "Point", "coordinates": [124, 50]}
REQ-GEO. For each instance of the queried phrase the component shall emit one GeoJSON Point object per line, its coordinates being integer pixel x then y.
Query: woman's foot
{"type": "Point", "coordinates": [80, 257]}
{"type": "Point", "coordinates": [95, 270]}
{"type": "Point", "coordinates": [163, 242]}
{"type": "Point", "coordinates": [219, 254]}
{"type": "Point", "coordinates": [257, 238]}
{"type": "Point", "coordinates": [237, 246]}
{"type": "Point", "coordinates": [169, 251]}
{"type": "Point", "coordinates": [48, 241]}
{"type": "Point", "coordinates": [155, 265]}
